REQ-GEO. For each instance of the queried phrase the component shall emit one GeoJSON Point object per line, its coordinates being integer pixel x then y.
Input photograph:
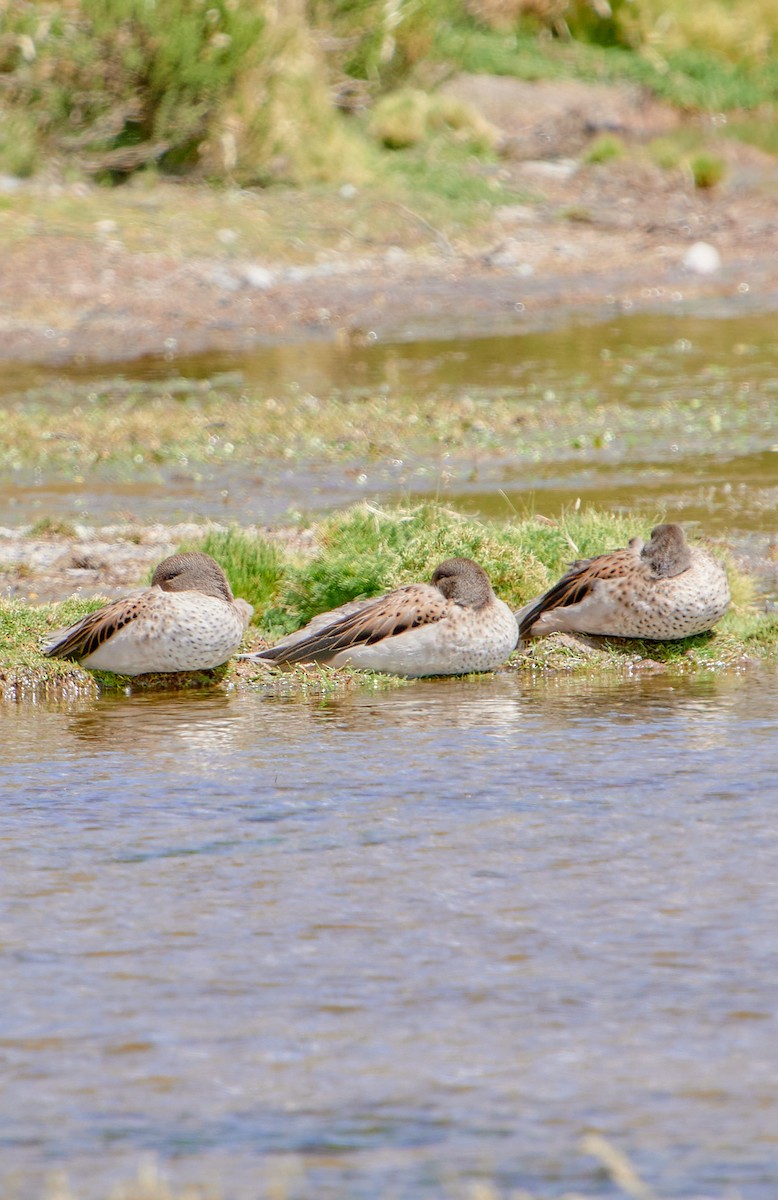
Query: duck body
{"type": "Point", "coordinates": [452, 626]}
{"type": "Point", "coordinates": [659, 590]}
{"type": "Point", "coordinates": [188, 620]}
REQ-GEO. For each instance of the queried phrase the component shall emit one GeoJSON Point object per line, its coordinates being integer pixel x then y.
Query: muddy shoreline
{"type": "Point", "coordinates": [173, 310]}
{"type": "Point", "coordinates": [161, 268]}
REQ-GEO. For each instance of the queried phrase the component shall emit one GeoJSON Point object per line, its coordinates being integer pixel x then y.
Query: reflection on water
{"type": "Point", "coordinates": [696, 436]}
{"type": "Point", "coordinates": [407, 938]}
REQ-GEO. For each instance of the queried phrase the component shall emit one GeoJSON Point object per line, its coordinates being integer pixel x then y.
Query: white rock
{"type": "Point", "coordinates": [258, 277]}
{"type": "Point", "coordinates": [559, 168]}
{"type": "Point", "coordinates": [702, 259]}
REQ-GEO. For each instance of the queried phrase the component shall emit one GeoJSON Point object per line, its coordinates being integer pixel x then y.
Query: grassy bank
{"type": "Point", "coordinates": [367, 550]}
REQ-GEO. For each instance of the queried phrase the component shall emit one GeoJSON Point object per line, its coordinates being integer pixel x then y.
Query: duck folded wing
{"type": "Point", "coordinates": [362, 623]}
{"type": "Point", "coordinates": [318, 623]}
{"type": "Point", "coordinates": [574, 586]}
{"type": "Point", "coordinates": [92, 631]}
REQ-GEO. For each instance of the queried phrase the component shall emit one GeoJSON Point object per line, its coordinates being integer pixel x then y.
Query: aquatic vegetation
{"type": "Point", "coordinates": [135, 429]}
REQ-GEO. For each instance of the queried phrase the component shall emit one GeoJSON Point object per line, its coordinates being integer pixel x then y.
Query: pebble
{"type": "Point", "coordinates": [258, 277]}
{"type": "Point", "coordinates": [702, 259]}
{"type": "Point", "coordinates": [560, 168]}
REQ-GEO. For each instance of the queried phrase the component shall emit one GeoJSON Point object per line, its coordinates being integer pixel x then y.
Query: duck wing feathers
{"type": "Point", "coordinates": [94, 630]}
{"type": "Point", "coordinates": [576, 584]}
{"type": "Point", "coordinates": [362, 623]}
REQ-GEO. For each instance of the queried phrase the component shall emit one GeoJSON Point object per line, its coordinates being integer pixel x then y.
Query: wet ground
{"type": "Point", "coordinates": [393, 945]}
{"type": "Point", "coordinates": [646, 413]}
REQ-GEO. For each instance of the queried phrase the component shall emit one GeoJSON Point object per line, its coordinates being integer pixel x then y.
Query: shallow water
{"type": "Point", "coordinates": [697, 433]}
{"type": "Point", "coordinates": [391, 943]}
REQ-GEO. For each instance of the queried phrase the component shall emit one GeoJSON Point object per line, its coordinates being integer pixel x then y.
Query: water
{"type": "Point", "coordinates": [399, 943]}
{"type": "Point", "coordinates": [643, 412]}
{"type": "Point", "coordinates": [395, 943]}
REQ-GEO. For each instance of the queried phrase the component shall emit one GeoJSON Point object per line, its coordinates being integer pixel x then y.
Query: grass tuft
{"type": "Point", "coordinates": [606, 148]}
{"type": "Point", "coordinates": [52, 527]}
{"type": "Point", "coordinates": [707, 169]}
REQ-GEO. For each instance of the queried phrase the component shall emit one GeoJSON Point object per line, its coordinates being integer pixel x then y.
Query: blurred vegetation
{"type": "Point", "coordinates": [253, 92]}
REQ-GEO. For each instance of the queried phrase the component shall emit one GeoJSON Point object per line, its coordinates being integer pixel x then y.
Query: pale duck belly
{"type": "Point", "coordinates": [180, 635]}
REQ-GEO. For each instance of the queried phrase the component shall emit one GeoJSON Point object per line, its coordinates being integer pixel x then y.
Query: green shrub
{"type": "Point", "coordinates": [707, 169]}
{"type": "Point", "coordinates": [19, 149]}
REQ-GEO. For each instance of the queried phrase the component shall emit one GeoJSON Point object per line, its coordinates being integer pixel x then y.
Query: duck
{"type": "Point", "coordinates": [659, 590]}
{"type": "Point", "coordinates": [188, 620]}
{"type": "Point", "coordinates": [453, 625]}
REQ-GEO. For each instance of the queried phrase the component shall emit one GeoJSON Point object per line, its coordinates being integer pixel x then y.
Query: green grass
{"type": "Point", "coordinates": [689, 77]}
{"type": "Point", "coordinates": [24, 672]}
{"type": "Point", "coordinates": [604, 149]}
{"type": "Point", "coordinates": [365, 551]}
{"type": "Point", "coordinates": [707, 169]}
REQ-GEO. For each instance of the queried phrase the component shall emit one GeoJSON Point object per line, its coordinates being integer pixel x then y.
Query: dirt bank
{"type": "Point", "coordinates": [160, 268]}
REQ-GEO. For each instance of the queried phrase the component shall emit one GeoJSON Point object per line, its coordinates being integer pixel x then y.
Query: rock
{"type": "Point", "coordinates": [258, 277]}
{"type": "Point", "coordinates": [702, 259]}
{"type": "Point", "coordinates": [559, 169]}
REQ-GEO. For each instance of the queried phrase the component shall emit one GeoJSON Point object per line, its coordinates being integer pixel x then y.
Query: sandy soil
{"type": "Point", "coordinates": [595, 238]}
